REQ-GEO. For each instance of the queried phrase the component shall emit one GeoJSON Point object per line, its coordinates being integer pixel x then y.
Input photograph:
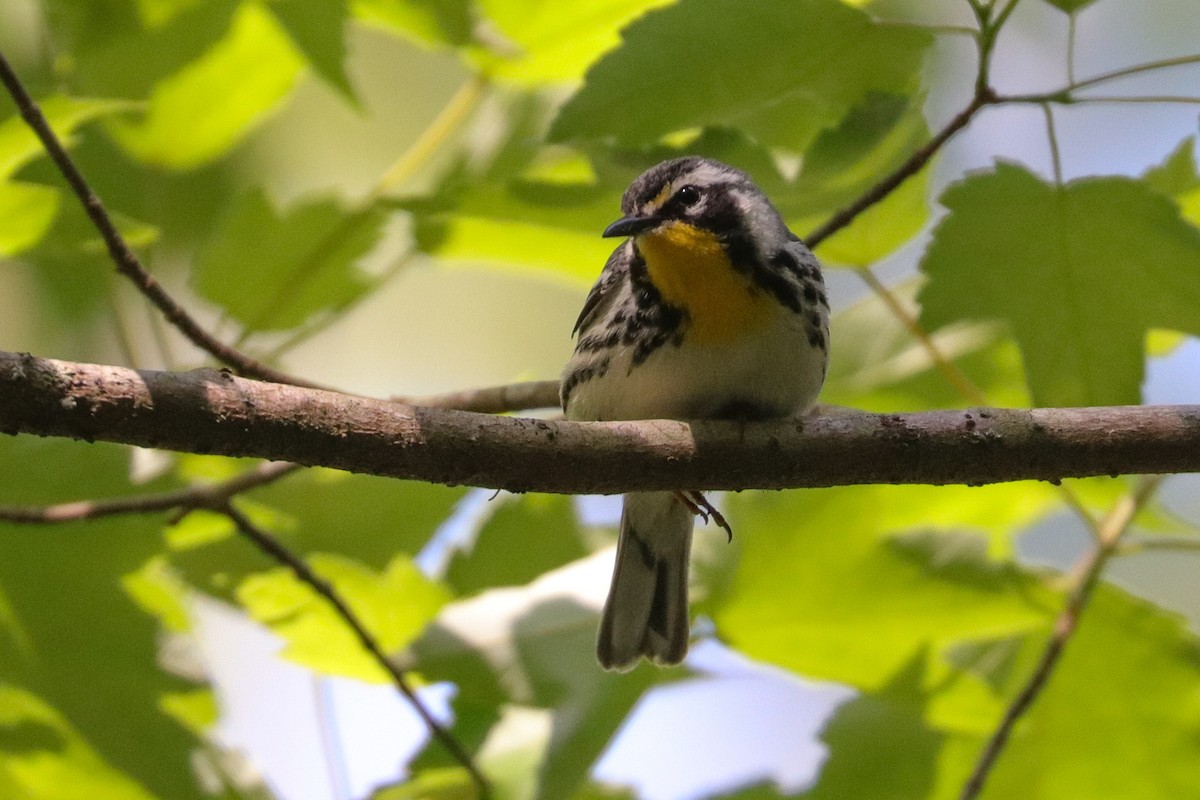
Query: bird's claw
{"type": "Point", "coordinates": [698, 504]}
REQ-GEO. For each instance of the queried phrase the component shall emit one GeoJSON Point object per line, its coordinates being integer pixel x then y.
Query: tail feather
{"type": "Point", "coordinates": [647, 609]}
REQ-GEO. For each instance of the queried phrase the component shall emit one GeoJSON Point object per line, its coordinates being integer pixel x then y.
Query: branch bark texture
{"type": "Point", "coordinates": [209, 411]}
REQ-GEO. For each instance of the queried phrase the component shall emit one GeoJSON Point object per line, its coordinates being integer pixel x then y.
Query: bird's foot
{"type": "Point", "coordinates": [698, 504]}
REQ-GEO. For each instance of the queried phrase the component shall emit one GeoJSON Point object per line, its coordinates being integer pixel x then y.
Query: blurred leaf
{"type": "Point", "coordinates": [19, 144]}
{"type": "Point", "coordinates": [27, 211]}
{"type": "Point", "coordinates": [195, 709]}
{"type": "Point", "coordinates": [393, 606]}
{"type": "Point", "coordinates": [156, 13]}
{"type": "Point", "coordinates": [528, 535]}
{"type": "Point", "coordinates": [880, 745]}
{"type": "Point", "coordinates": [1177, 177]}
{"type": "Point", "coordinates": [89, 650]}
{"type": "Point", "coordinates": [199, 528]}
{"type": "Point", "coordinates": [827, 588]}
{"type": "Point", "coordinates": [160, 593]}
{"type": "Point", "coordinates": [1089, 734]}
{"type": "Point", "coordinates": [877, 365]}
{"type": "Point", "coordinates": [448, 783]}
{"type": "Point", "coordinates": [873, 139]}
{"type": "Point", "coordinates": [494, 211]}
{"type": "Point", "coordinates": [554, 42]}
{"type": "Point", "coordinates": [1070, 6]}
{"type": "Point", "coordinates": [119, 48]}
{"type": "Point", "coordinates": [201, 112]}
{"type": "Point", "coordinates": [439, 22]}
{"type": "Point", "coordinates": [882, 228]}
{"type": "Point", "coordinates": [530, 648]}
{"type": "Point", "coordinates": [1079, 272]}
{"type": "Point", "coordinates": [318, 29]}
{"type": "Point", "coordinates": [1177, 173]}
{"type": "Point", "coordinates": [363, 518]}
{"type": "Point", "coordinates": [274, 270]}
{"type": "Point", "coordinates": [42, 757]}
{"type": "Point", "coordinates": [782, 96]}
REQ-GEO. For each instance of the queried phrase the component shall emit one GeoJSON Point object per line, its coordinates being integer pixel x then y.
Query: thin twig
{"type": "Point", "coordinates": [493, 399]}
{"type": "Point", "coordinates": [1137, 69]}
{"type": "Point", "coordinates": [1146, 544]}
{"type": "Point", "coordinates": [1052, 138]}
{"type": "Point", "coordinates": [950, 371]}
{"type": "Point", "coordinates": [911, 167]}
{"type": "Point", "coordinates": [200, 496]}
{"type": "Point", "coordinates": [276, 550]}
{"type": "Point", "coordinates": [126, 260]}
{"type": "Point", "coordinates": [1112, 528]}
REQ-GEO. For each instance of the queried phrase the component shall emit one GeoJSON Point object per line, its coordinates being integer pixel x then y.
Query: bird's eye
{"type": "Point", "coordinates": [688, 196]}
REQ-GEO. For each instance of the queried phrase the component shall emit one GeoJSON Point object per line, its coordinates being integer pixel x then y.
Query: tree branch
{"type": "Point", "coordinates": [215, 495]}
{"type": "Point", "coordinates": [209, 411]}
{"type": "Point", "coordinates": [1111, 529]}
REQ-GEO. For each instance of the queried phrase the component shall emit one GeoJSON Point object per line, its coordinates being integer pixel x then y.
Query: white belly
{"type": "Point", "coordinates": [775, 368]}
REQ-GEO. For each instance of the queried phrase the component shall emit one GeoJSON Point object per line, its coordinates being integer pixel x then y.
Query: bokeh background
{"type": "Point", "coordinates": [448, 316]}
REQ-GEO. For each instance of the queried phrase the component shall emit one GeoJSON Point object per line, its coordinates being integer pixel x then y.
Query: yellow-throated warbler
{"type": "Point", "coordinates": [711, 309]}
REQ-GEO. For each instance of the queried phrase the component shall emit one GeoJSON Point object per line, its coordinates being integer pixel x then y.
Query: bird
{"type": "Point", "coordinates": [711, 308]}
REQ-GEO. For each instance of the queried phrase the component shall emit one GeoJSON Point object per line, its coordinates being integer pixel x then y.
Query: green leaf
{"type": "Point", "coordinates": [393, 606]}
{"type": "Point", "coordinates": [274, 270]}
{"type": "Point", "coordinates": [531, 646]}
{"type": "Point", "coordinates": [1079, 272]}
{"type": "Point", "coordinates": [1091, 732]}
{"type": "Point", "coordinates": [434, 22]}
{"type": "Point", "coordinates": [880, 744]}
{"type": "Point", "coordinates": [42, 757]}
{"type": "Point", "coordinates": [366, 519]}
{"type": "Point", "coordinates": [27, 211]}
{"type": "Point", "coordinates": [198, 114]}
{"type": "Point", "coordinates": [1070, 6]}
{"type": "Point", "coordinates": [878, 134]}
{"type": "Point", "coordinates": [122, 49]}
{"type": "Point", "coordinates": [319, 31]}
{"type": "Point", "coordinates": [64, 593]}
{"type": "Point", "coordinates": [195, 709]}
{"type": "Point", "coordinates": [877, 365]}
{"type": "Point", "coordinates": [1177, 173]}
{"type": "Point", "coordinates": [828, 588]}
{"type": "Point", "coordinates": [157, 13]}
{"type": "Point", "coordinates": [1178, 178]}
{"type": "Point", "coordinates": [446, 783]}
{"type": "Point", "coordinates": [553, 42]}
{"type": "Point", "coordinates": [528, 535]}
{"type": "Point", "coordinates": [19, 144]}
{"type": "Point", "coordinates": [881, 229]}
{"type": "Point", "coordinates": [160, 593]}
{"type": "Point", "coordinates": [657, 82]}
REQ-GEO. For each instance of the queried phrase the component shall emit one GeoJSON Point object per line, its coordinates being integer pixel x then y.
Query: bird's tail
{"type": "Point", "coordinates": [647, 609]}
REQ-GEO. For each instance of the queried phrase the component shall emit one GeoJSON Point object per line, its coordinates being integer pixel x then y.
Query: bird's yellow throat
{"type": "Point", "coordinates": [691, 270]}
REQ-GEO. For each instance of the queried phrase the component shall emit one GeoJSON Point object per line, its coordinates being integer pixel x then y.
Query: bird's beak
{"type": "Point", "coordinates": [631, 225]}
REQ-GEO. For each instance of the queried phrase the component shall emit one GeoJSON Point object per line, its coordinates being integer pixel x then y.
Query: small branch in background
{"type": "Point", "coordinates": [126, 260]}
{"type": "Point", "coordinates": [915, 163]}
{"type": "Point", "coordinates": [1111, 530]}
{"type": "Point", "coordinates": [200, 496]}
{"type": "Point", "coordinates": [277, 551]}
{"type": "Point", "coordinates": [1150, 544]}
{"type": "Point", "coordinates": [946, 366]}
{"type": "Point", "coordinates": [493, 399]}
